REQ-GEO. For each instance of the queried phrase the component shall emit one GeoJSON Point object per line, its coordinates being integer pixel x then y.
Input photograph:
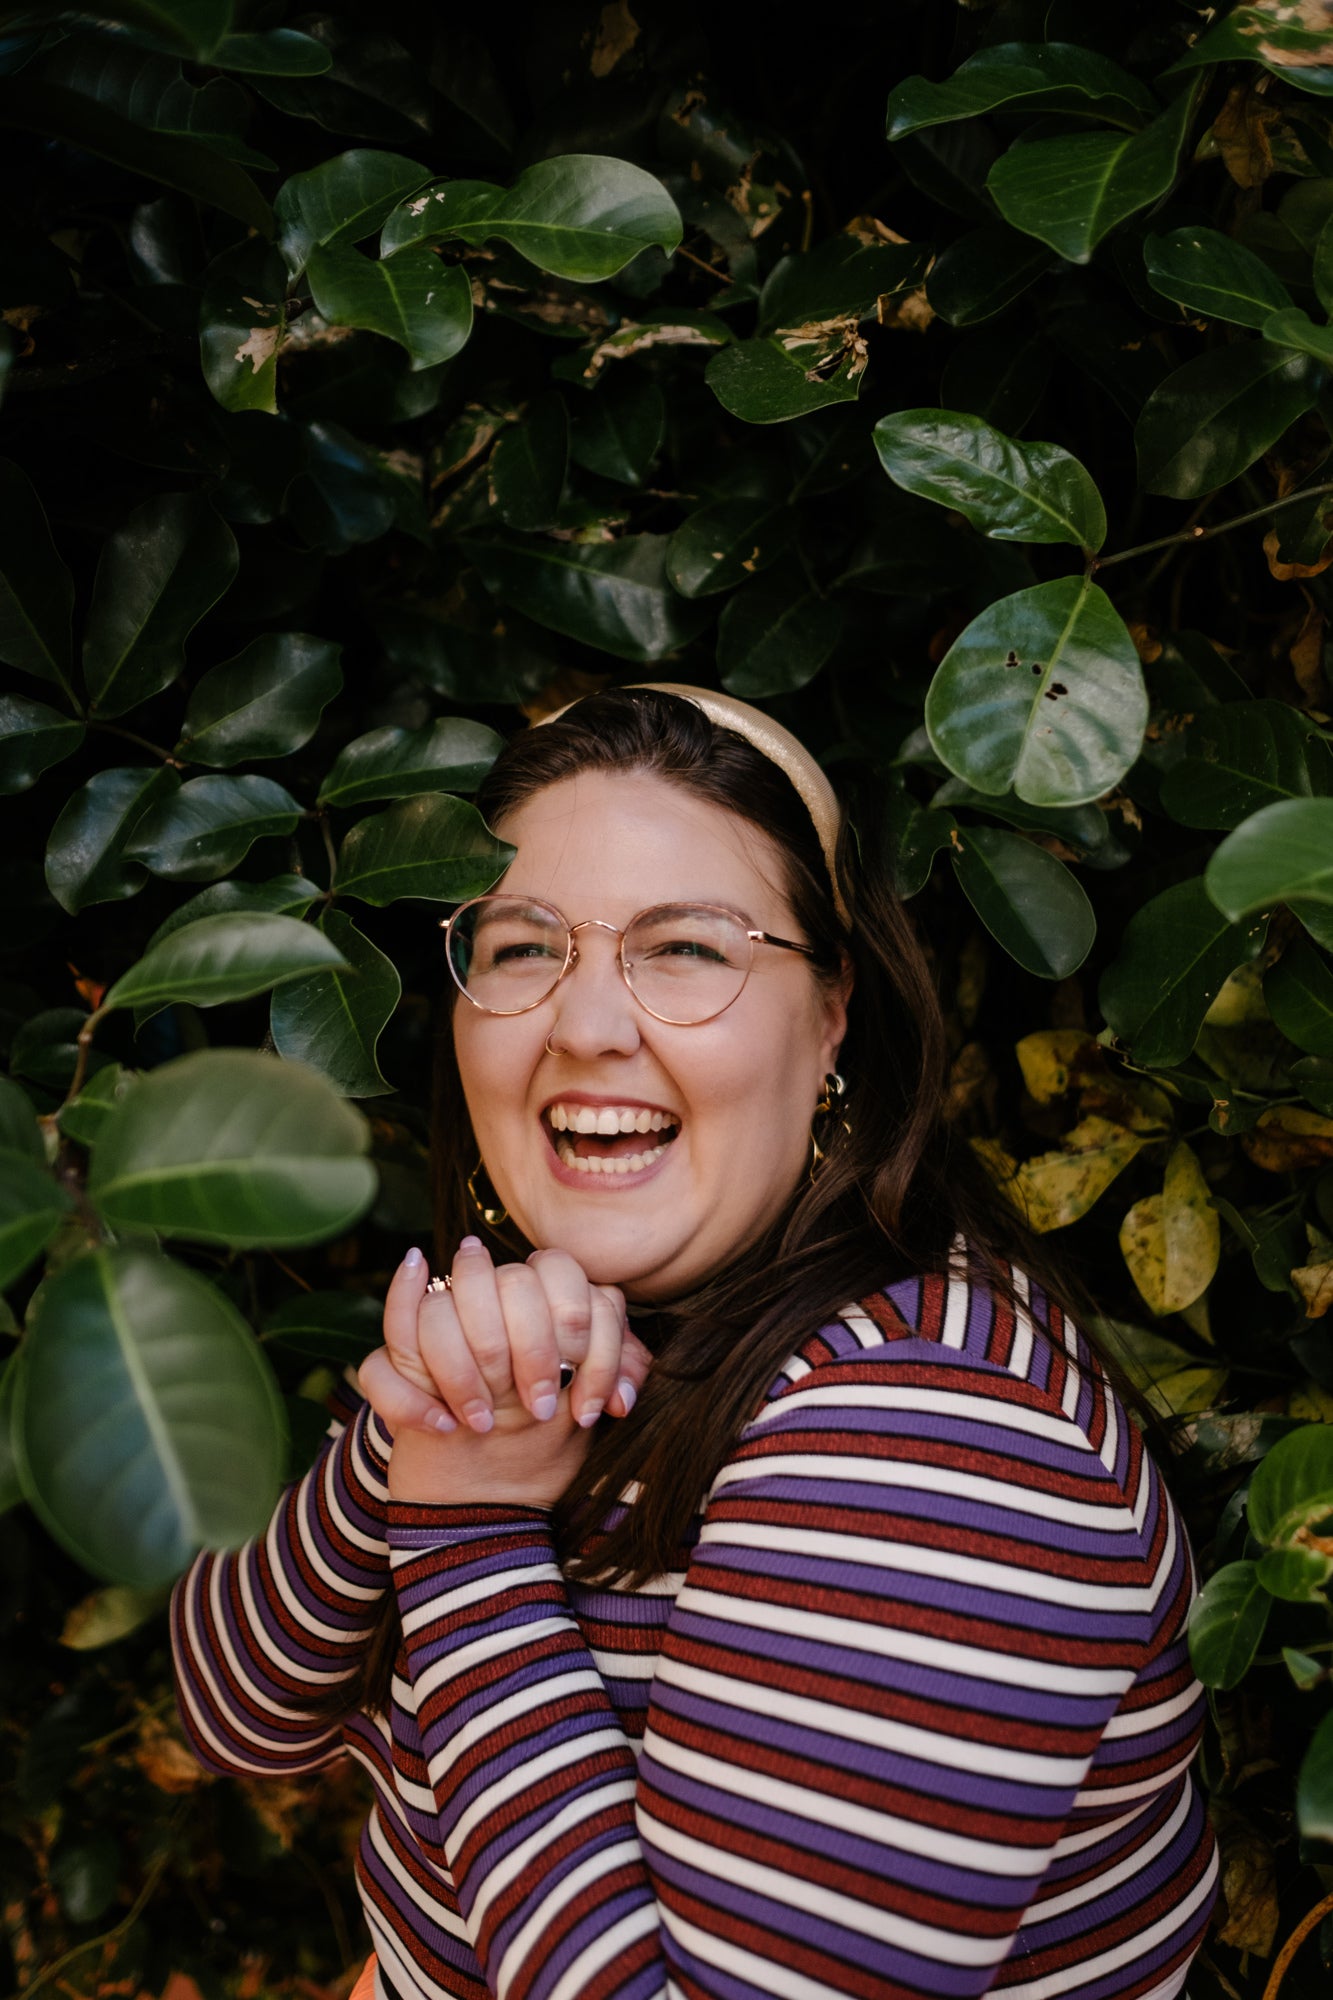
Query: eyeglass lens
{"type": "Point", "coordinates": [684, 961]}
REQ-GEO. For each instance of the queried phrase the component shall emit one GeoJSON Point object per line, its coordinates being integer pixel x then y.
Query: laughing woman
{"type": "Point", "coordinates": [839, 1648]}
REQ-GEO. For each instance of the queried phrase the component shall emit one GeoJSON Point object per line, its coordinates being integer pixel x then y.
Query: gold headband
{"type": "Point", "coordinates": [781, 748]}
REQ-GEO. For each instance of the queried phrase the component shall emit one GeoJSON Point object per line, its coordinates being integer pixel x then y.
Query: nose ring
{"type": "Point", "coordinates": [547, 1045]}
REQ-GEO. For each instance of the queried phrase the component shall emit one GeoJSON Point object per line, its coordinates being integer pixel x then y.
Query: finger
{"type": "Point", "coordinates": [569, 1303]}
{"type": "Point", "coordinates": [600, 1372]}
{"type": "Point", "coordinates": [406, 1289]}
{"type": "Point", "coordinates": [397, 1402]}
{"type": "Point", "coordinates": [454, 1371]}
{"type": "Point", "coordinates": [635, 1362]}
{"type": "Point", "coordinates": [534, 1356]}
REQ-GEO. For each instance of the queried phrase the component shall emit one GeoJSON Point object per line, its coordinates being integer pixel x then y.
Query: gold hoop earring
{"type": "Point", "coordinates": [835, 1089]}
{"type": "Point", "coordinates": [493, 1213]}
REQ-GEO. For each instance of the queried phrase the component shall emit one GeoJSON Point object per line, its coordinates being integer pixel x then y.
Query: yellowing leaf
{"type": "Point", "coordinates": [1240, 999]}
{"type": "Point", "coordinates": [1173, 1381]}
{"type": "Point", "coordinates": [1051, 1058]}
{"type": "Point", "coordinates": [1289, 1137]}
{"type": "Point", "coordinates": [1314, 1282]}
{"type": "Point", "coordinates": [1057, 1188]}
{"type": "Point", "coordinates": [106, 1615]}
{"type": "Point", "coordinates": [1311, 1404]}
{"type": "Point", "coordinates": [1171, 1241]}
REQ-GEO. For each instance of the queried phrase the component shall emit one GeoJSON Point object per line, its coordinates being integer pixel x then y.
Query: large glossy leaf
{"type": "Point", "coordinates": [148, 1421]}
{"type": "Point", "coordinates": [1011, 490]}
{"type": "Point", "coordinates": [333, 1021]}
{"type": "Point", "coordinates": [1314, 1786]}
{"type": "Point", "coordinates": [1217, 414]}
{"type": "Point", "coordinates": [157, 576]}
{"type": "Point", "coordinates": [1293, 1486]}
{"type": "Point", "coordinates": [1243, 755]}
{"type": "Point", "coordinates": [581, 215]}
{"type": "Point", "coordinates": [843, 275]}
{"type": "Point", "coordinates": [242, 325]}
{"type": "Point", "coordinates": [433, 847]}
{"type": "Point", "coordinates": [1280, 855]}
{"type": "Point", "coordinates": [341, 200]}
{"type": "Point", "coordinates": [1294, 328]}
{"type": "Point", "coordinates": [202, 830]}
{"type": "Point", "coordinates": [273, 52]}
{"type": "Point", "coordinates": [1029, 902]}
{"type": "Point", "coordinates": [36, 589]}
{"type": "Point", "coordinates": [195, 27]}
{"type": "Point", "coordinates": [449, 756]}
{"type": "Point", "coordinates": [87, 859]}
{"type": "Point", "coordinates": [1226, 1624]}
{"type": "Point", "coordinates": [772, 381]}
{"type": "Point", "coordinates": [1072, 191]}
{"type": "Point", "coordinates": [266, 702]}
{"type": "Point", "coordinates": [1029, 76]}
{"type": "Point", "coordinates": [775, 635]}
{"type": "Point", "coordinates": [33, 737]}
{"type": "Point", "coordinates": [283, 896]}
{"type": "Point", "coordinates": [1175, 954]}
{"type": "Point", "coordinates": [726, 543]}
{"type": "Point", "coordinates": [150, 92]}
{"type": "Point", "coordinates": [32, 1207]}
{"type": "Point", "coordinates": [411, 297]}
{"type": "Point", "coordinates": [616, 431]}
{"type": "Point", "coordinates": [226, 957]}
{"type": "Point", "coordinates": [228, 1146]}
{"type": "Point", "coordinates": [1042, 694]}
{"type": "Point", "coordinates": [527, 466]}
{"type": "Point", "coordinates": [612, 595]}
{"type": "Point", "coordinates": [983, 271]}
{"type": "Point", "coordinates": [1299, 994]}
{"type": "Point", "coordinates": [1212, 274]}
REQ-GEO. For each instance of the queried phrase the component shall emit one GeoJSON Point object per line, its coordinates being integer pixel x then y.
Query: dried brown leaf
{"type": "Point", "coordinates": [617, 32]}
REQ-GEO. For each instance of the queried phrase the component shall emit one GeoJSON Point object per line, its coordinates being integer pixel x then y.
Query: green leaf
{"type": "Point", "coordinates": [1299, 994]}
{"type": "Point", "coordinates": [195, 27]}
{"type": "Point", "coordinates": [242, 326]}
{"type": "Point", "coordinates": [337, 1327]}
{"type": "Point", "coordinates": [448, 756]}
{"type": "Point", "coordinates": [19, 1130]}
{"type": "Point", "coordinates": [842, 276]}
{"type": "Point", "coordinates": [1043, 693]}
{"type": "Point", "coordinates": [1295, 1575]}
{"type": "Point", "coordinates": [1175, 955]}
{"type": "Point", "coordinates": [1029, 902]}
{"type": "Point", "coordinates": [1313, 1077]}
{"type": "Point", "coordinates": [87, 859]}
{"type": "Point", "coordinates": [45, 1048]}
{"type": "Point", "coordinates": [83, 1118]}
{"type": "Point", "coordinates": [157, 576]}
{"type": "Point", "coordinates": [1072, 191]}
{"type": "Point", "coordinates": [1240, 756]}
{"type": "Point", "coordinates": [227, 957]}
{"type": "Point", "coordinates": [1226, 1624]}
{"type": "Point", "coordinates": [1209, 273]}
{"type": "Point", "coordinates": [32, 1207]}
{"type": "Point", "coordinates": [982, 272]}
{"type": "Point", "coordinates": [1012, 491]}
{"type": "Point", "coordinates": [1292, 1487]}
{"type": "Point", "coordinates": [914, 835]}
{"type": "Point", "coordinates": [202, 830]}
{"type": "Point", "coordinates": [275, 52]}
{"type": "Point", "coordinates": [1212, 418]}
{"type": "Point", "coordinates": [1314, 1786]}
{"type": "Point", "coordinates": [36, 589]}
{"type": "Point", "coordinates": [342, 200]}
{"type": "Point", "coordinates": [1047, 76]}
{"type": "Point", "coordinates": [1294, 328]}
{"type": "Point", "coordinates": [434, 847]}
{"type": "Point", "coordinates": [581, 215]}
{"type": "Point", "coordinates": [333, 1022]}
{"type": "Point", "coordinates": [775, 635]}
{"type": "Point", "coordinates": [33, 737]}
{"type": "Point", "coordinates": [616, 431]}
{"type": "Point", "coordinates": [187, 165]}
{"type": "Point", "coordinates": [227, 1146]}
{"type": "Point", "coordinates": [11, 1492]}
{"type": "Point", "coordinates": [148, 1421]}
{"type": "Point", "coordinates": [283, 896]}
{"type": "Point", "coordinates": [725, 543]}
{"type": "Point", "coordinates": [527, 466]}
{"type": "Point", "coordinates": [1278, 855]}
{"type": "Point", "coordinates": [150, 92]}
{"type": "Point", "coordinates": [612, 595]}
{"type": "Point", "coordinates": [1322, 272]}
{"type": "Point", "coordinates": [266, 702]}
{"type": "Point", "coordinates": [410, 297]}
{"type": "Point", "coordinates": [772, 381]}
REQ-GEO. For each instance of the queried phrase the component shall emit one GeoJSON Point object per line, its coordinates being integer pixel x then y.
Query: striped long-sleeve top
{"type": "Point", "coordinates": [915, 1716]}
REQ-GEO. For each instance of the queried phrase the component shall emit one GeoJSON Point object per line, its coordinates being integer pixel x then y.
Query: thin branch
{"type": "Point", "coordinates": [330, 850]}
{"type": "Point", "coordinates": [1202, 534]}
{"type": "Point", "coordinates": [114, 729]}
{"type": "Point", "coordinates": [85, 1046]}
{"type": "Point", "coordinates": [1294, 1943]}
{"type": "Point", "coordinates": [132, 1915]}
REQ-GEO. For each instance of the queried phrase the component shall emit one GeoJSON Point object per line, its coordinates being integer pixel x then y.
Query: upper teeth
{"type": "Point", "coordinates": [608, 1119]}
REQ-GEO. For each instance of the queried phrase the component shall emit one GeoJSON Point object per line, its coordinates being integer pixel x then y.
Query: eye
{"type": "Point", "coordinates": [686, 948]}
{"type": "Point", "coordinates": [526, 948]}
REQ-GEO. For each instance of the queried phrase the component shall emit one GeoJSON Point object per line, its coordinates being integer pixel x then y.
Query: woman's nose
{"type": "Point", "coordinates": [596, 1014]}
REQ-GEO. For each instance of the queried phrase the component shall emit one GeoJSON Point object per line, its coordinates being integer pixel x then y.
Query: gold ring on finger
{"type": "Point", "coordinates": [444, 1284]}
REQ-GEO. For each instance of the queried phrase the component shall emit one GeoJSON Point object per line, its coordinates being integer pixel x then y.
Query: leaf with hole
{"type": "Point", "coordinates": [266, 702]}
{"type": "Point", "coordinates": [203, 829]}
{"type": "Point", "coordinates": [725, 543]}
{"type": "Point", "coordinates": [33, 737]}
{"type": "Point", "coordinates": [1174, 955]}
{"type": "Point", "coordinates": [229, 1146]}
{"type": "Point", "coordinates": [448, 756]}
{"type": "Point", "coordinates": [842, 276]}
{"type": "Point", "coordinates": [242, 326]}
{"type": "Point", "coordinates": [772, 381]}
{"type": "Point", "coordinates": [1042, 694]}
{"type": "Point", "coordinates": [1226, 1624]}
{"type": "Point", "coordinates": [158, 574]}
{"type": "Point", "coordinates": [1209, 273]}
{"type": "Point", "coordinates": [435, 847]}
{"type": "Point", "coordinates": [333, 1022]}
{"type": "Point", "coordinates": [148, 1421]}
{"type": "Point", "coordinates": [1282, 854]}
{"type": "Point", "coordinates": [1029, 902]}
{"type": "Point", "coordinates": [1010, 489]}
{"type": "Point", "coordinates": [1213, 417]}
{"type": "Point", "coordinates": [231, 956]}
{"type": "Point", "coordinates": [409, 297]}
{"type": "Point", "coordinates": [342, 200]}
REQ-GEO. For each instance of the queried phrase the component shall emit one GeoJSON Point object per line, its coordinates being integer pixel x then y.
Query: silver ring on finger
{"type": "Point", "coordinates": [567, 1373]}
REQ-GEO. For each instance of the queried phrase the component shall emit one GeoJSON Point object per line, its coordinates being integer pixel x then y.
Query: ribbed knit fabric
{"type": "Point", "coordinates": [914, 1718]}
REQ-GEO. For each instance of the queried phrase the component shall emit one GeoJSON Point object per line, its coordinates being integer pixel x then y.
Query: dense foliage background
{"type": "Point", "coordinates": [371, 382]}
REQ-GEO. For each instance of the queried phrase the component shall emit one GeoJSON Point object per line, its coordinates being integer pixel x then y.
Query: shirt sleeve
{"type": "Point", "coordinates": [260, 1630]}
{"type": "Point", "coordinates": [918, 1598]}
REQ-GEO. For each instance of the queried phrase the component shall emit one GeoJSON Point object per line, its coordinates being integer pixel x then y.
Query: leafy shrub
{"type": "Point", "coordinates": [368, 383]}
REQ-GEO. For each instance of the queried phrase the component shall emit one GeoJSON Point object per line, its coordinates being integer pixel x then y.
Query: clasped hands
{"type": "Point", "coordinates": [468, 1379]}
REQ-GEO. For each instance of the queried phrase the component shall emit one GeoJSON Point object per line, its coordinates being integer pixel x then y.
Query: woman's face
{"type": "Point", "coordinates": [729, 1101]}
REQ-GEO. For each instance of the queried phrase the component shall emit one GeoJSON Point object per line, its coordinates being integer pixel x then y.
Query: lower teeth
{"type": "Point", "coordinates": [627, 1163]}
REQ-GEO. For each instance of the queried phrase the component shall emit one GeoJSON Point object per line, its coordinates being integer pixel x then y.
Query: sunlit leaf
{"type": "Point", "coordinates": [226, 957]}
{"type": "Point", "coordinates": [449, 756]}
{"type": "Point", "coordinates": [1059, 1187]}
{"type": "Point", "coordinates": [1012, 490]}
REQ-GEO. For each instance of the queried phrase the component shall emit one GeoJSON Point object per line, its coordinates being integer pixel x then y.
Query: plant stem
{"type": "Point", "coordinates": [136, 1909]}
{"type": "Point", "coordinates": [1294, 1943]}
{"type": "Point", "coordinates": [86, 1033]}
{"type": "Point", "coordinates": [114, 729]}
{"type": "Point", "coordinates": [329, 849]}
{"type": "Point", "coordinates": [1199, 533]}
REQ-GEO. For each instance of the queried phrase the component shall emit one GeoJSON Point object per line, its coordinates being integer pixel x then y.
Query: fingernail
{"type": "Point", "coordinates": [629, 1395]}
{"type": "Point", "coordinates": [439, 1420]}
{"type": "Point", "coordinates": [413, 1260]}
{"type": "Point", "coordinates": [479, 1417]}
{"type": "Point", "coordinates": [544, 1401]}
{"type": "Point", "coordinates": [471, 1243]}
{"type": "Point", "coordinates": [589, 1414]}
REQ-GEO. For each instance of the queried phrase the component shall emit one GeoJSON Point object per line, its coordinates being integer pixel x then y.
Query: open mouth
{"type": "Point", "coordinates": [609, 1138]}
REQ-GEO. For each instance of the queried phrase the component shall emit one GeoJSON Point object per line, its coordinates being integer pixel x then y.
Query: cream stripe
{"type": "Point", "coordinates": [1136, 1863]}
{"type": "Point", "coordinates": [997, 1494]}
{"type": "Point", "coordinates": [524, 1777]}
{"type": "Point", "coordinates": [573, 1813]}
{"type": "Point", "coordinates": [1141, 1945]}
{"type": "Point", "coordinates": [563, 1890]}
{"type": "Point", "coordinates": [462, 1659]}
{"type": "Point", "coordinates": [574, 1981]}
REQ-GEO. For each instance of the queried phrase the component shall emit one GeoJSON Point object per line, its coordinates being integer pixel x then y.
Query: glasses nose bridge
{"type": "Point", "coordinates": [597, 924]}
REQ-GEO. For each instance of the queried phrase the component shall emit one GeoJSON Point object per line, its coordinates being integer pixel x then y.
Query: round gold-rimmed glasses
{"type": "Point", "coordinates": [685, 963]}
